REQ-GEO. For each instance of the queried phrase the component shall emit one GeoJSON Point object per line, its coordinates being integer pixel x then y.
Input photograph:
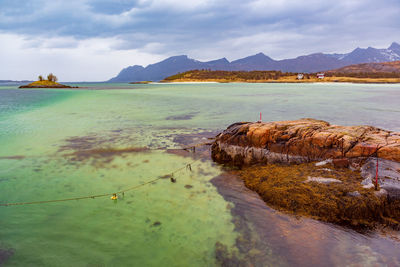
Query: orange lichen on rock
{"type": "Point", "coordinates": [313, 139]}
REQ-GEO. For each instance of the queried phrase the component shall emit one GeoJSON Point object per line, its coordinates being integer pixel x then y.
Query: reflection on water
{"type": "Point", "coordinates": [67, 143]}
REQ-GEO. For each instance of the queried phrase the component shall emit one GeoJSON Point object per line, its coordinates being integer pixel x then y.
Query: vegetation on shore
{"type": "Point", "coordinates": [51, 82]}
{"type": "Point", "coordinates": [379, 70]}
{"type": "Point", "coordinates": [141, 82]}
{"type": "Point", "coordinates": [280, 77]}
{"type": "Point", "coordinates": [285, 187]}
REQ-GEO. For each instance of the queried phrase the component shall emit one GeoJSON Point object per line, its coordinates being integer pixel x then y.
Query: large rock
{"type": "Point", "coordinates": [306, 140]}
{"type": "Point", "coordinates": [309, 139]}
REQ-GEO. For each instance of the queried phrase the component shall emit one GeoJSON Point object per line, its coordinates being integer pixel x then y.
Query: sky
{"type": "Point", "coordinates": [92, 40]}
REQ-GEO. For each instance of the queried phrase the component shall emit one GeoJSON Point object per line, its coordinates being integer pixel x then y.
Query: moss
{"type": "Point", "coordinates": [284, 188]}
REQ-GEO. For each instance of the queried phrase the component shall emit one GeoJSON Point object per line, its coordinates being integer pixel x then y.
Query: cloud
{"type": "Point", "coordinates": [203, 29]}
{"type": "Point", "coordinates": [81, 60]}
{"type": "Point", "coordinates": [111, 7]}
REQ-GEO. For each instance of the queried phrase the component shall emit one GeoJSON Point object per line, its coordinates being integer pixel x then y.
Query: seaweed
{"type": "Point", "coordinates": [284, 188]}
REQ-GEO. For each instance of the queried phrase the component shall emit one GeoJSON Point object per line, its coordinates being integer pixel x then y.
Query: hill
{"type": "Point", "coordinates": [308, 63]}
{"type": "Point", "coordinates": [384, 67]}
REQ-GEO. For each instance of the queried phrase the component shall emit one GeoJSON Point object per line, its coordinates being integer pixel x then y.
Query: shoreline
{"type": "Point", "coordinates": [273, 76]}
{"type": "Point", "coordinates": [277, 81]}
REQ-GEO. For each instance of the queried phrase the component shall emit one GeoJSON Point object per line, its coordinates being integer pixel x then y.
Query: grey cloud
{"type": "Point", "coordinates": [228, 28]}
{"type": "Point", "coordinates": [111, 7]}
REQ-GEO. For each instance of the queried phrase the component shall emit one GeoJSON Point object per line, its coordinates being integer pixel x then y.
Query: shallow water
{"type": "Point", "coordinates": [66, 143]}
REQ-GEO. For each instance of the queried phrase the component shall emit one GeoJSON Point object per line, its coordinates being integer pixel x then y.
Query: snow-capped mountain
{"type": "Point", "coordinates": [370, 54]}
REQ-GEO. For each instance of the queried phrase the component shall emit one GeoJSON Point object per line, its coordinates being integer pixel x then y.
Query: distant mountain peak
{"type": "Point", "coordinates": [259, 58]}
{"type": "Point", "coordinates": [179, 57]}
{"type": "Point", "coordinates": [314, 55]}
{"type": "Point", "coordinates": [262, 55]}
{"type": "Point", "coordinates": [394, 46]}
{"type": "Point", "coordinates": [221, 61]}
{"type": "Point", "coordinates": [136, 67]}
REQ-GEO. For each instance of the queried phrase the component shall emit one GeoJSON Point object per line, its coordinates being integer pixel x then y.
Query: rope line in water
{"type": "Point", "coordinates": [188, 166]}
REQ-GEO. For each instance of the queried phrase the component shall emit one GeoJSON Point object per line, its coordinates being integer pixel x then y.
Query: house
{"type": "Point", "coordinates": [300, 76]}
{"type": "Point", "coordinates": [321, 75]}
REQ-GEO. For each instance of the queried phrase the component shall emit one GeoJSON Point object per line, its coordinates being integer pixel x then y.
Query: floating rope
{"type": "Point", "coordinates": [171, 175]}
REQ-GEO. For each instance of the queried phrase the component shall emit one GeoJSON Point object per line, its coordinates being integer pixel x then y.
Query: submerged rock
{"type": "Point", "coordinates": [155, 224]}
{"type": "Point", "coordinates": [5, 255]}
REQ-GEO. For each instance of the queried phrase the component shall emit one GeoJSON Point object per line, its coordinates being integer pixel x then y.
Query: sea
{"type": "Point", "coordinates": [105, 138]}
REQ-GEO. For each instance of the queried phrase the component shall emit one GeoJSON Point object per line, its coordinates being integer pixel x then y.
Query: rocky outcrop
{"type": "Point", "coordinates": [306, 140]}
{"type": "Point", "coordinates": [44, 86]}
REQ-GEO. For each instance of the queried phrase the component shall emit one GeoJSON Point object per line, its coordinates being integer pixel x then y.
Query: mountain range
{"type": "Point", "coordinates": [309, 63]}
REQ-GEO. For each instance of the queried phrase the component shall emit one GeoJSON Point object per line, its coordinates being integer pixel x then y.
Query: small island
{"type": "Point", "coordinates": [51, 82]}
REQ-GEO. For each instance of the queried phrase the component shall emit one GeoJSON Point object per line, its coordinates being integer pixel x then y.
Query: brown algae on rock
{"type": "Point", "coordinates": [285, 188]}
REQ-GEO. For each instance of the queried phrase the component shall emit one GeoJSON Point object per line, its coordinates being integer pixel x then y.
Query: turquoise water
{"type": "Point", "coordinates": [66, 143]}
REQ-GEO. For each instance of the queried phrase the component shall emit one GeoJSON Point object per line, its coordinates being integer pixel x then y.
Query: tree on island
{"type": "Point", "coordinates": [52, 78]}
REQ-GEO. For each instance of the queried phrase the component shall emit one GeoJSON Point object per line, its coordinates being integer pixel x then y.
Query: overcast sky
{"type": "Point", "coordinates": [93, 40]}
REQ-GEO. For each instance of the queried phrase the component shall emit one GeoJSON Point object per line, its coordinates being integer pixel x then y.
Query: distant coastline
{"type": "Point", "coordinates": [280, 77]}
{"type": "Point", "coordinates": [327, 80]}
